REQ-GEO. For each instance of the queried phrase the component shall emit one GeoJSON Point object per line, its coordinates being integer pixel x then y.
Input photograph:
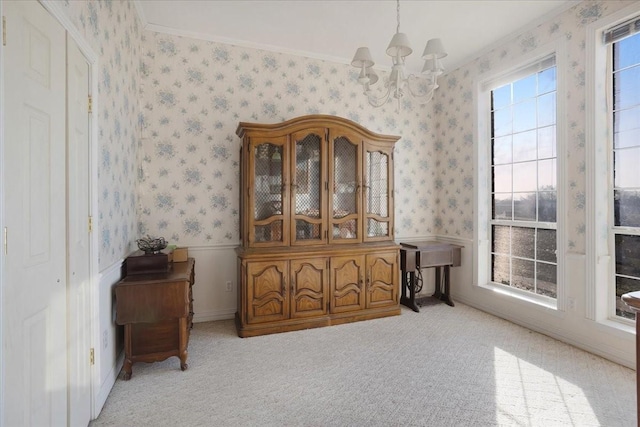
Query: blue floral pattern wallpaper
{"type": "Point", "coordinates": [169, 107]}
{"type": "Point", "coordinates": [114, 31]}
{"type": "Point", "coordinates": [195, 92]}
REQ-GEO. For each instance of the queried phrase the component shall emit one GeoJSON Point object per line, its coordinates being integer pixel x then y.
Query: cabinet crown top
{"type": "Point", "coordinates": [314, 120]}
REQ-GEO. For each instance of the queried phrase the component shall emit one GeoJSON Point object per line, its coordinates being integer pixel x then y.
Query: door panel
{"type": "Point", "coordinates": [267, 291]}
{"type": "Point", "coordinates": [382, 279]}
{"type": "Point", "coordinates": [309, 285]}
{"type": "Point", "coordinates": [34, 345]}
{"type": "Point", "coordinates": [347, 283]}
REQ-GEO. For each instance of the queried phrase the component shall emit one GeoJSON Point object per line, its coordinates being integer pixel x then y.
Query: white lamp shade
{"type": "Point", "coordinates": [432, 66]}
{"type": "Point", "coordinates": [399, 46]}
{"type": "Point", "coordinates": [362, 58]}
{"type": "Point", "coordinates": [373, 77]}
{"type": "Point", "coordinates": [434, 49]}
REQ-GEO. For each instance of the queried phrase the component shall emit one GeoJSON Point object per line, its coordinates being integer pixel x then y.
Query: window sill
{"type": "Point", "coordinates": [524, 296]}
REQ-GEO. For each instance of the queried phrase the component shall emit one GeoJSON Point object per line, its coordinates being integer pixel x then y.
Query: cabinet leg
{"type": "Point", "coordinates": [127, 369]}
{"type": "Point", "coordinates": [183, 361]}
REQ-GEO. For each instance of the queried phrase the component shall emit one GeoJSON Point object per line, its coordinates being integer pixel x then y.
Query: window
{"type": "Point", "coordinates": [625, 200]}
{"type": "Point", "coordinates": [519, 164]}
{"type": "Point", "coordinates": [524, 182]}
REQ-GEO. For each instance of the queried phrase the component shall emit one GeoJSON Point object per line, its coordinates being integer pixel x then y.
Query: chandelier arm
{"type": "Point", "coordinates": [425, 97]}
{"type": "Point", "coordinates": [378, 102]}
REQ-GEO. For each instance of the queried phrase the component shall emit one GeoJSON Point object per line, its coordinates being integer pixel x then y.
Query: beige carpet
{"type": "Point", "coordinates": [441, 367]}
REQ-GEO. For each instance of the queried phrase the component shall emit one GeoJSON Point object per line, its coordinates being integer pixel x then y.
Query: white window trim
{"type": "Point", "coordinates": [482, 153]}
{"type": "Point", "coordinates": [600, 305]}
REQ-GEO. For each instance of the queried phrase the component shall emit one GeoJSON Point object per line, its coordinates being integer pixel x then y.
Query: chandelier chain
{"type": "Point", "coordinates": [398, 15]}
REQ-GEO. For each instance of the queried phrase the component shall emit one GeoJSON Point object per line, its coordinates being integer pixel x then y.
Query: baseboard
{"type": "Point", "coordinates": [213, 315]}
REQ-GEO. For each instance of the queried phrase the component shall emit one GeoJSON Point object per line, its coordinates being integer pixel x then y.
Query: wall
{"type": "Point", "coordinates": [195, 92]}
{"type": "Point", "coordinates": [455, 151]}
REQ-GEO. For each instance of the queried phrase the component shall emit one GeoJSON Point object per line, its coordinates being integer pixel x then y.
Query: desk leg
{"type": "Point", "coordinates": [447, 287]}
{"type": "Point", "coordinates": [409, 281]}
{"type": "Point", "coordinates": [438, 290]}
{"type": "Point", "coordinates": [127, 352]}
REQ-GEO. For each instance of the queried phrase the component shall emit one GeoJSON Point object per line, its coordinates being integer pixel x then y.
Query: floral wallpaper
{"type": "Point", "coordinates": [454, 112]}
{"type": "Point", "coordinates": [195, 92]}
{"type": "Point", "coordinates": [169, 107]}
{"type": "Point", "coordinates": [113, 29]}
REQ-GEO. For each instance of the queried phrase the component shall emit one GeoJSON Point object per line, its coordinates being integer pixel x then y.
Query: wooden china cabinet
{"type": "Point", "coordinates": [316, 225]}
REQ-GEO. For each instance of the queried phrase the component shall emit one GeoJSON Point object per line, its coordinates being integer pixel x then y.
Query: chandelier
{"type": "Point", "coordinates": [399, 84]}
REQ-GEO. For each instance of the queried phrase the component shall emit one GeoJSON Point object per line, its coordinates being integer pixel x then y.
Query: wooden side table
{"type": "Point", "coordinates": [157, 313]}
{"type": "Point", "coordinates": [424, 254]}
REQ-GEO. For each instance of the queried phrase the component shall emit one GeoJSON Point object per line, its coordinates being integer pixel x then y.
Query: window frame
{"type": "Point", "coordinates": [505, 73]}
{"type": "Point", "coordinates": [600, 233]}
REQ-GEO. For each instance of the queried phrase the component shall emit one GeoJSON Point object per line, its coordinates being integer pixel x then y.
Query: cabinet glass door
{"type": "Point", "coordinates": [346, 185]}
{"type": "Point", "coordinates": [269, 193]}
{"type": "Point", "coordinates": [377, 196]}
{"type": "Point", "coordinates": [308, 224]}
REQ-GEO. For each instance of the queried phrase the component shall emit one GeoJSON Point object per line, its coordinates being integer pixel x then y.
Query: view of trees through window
{"type": "Point", "coordinates": [626, 168]}
{"type": "Point", "coordinates": [524, 182]}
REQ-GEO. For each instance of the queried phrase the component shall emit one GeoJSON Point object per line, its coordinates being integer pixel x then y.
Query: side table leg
{"type": "Point", "coordinates": [438, 290]}
{"type": "Point", "coordinates": [447, 287]}
{"type": "Point", "coordinates": [409, 281]}
{"type": "Point", "coordinates": [127, 352]}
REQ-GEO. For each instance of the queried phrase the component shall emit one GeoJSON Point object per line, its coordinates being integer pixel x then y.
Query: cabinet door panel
{"type": "Point", "coordinates": [382, 279]}
{"type": "Point", "coordinates": [345, 185]}
{"type": "Point", "coordinates": [378, 197]}
{"type": "Point", "coordinates": [268, 192]}
{"type": "Point", "coordinates": [267, 291]}
{"type": "Point", "coordinates": [347, 283]}
{"type": "Point", "coordinates": [309, 286]}
{"type": "Point", "coordinates": [308, 192]}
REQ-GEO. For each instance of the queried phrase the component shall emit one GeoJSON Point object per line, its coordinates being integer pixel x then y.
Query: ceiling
{"type": "Point", "coordinates": [334, 29]}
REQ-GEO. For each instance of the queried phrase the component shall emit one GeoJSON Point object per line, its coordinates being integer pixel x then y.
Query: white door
{"type": "Point", "coordinates": [34, 339]}
{"type": "Point", "coordinates": [78, 236]}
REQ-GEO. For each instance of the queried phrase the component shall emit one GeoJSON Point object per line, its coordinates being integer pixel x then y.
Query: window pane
{"type": "Point", "coordinates": [547, 142]}
{"type": "Point", "coordinates": [522, 276]}
{"type": "Point", "coordinates": [626, 84]}
{"type": "Point", "coordinates": [547, 109]}
{"type": "Point", "coordinates": [524, 146]}
{"type": "Point", "coordinates": [524, 176]}
{"type": "Point", "coordinates": [546, 283]}
{"type": "Point", "coordinates": [502, 206]}
{"type": "Point", "coordinates": [524, 88]}
{"type": "Point", "coordinates": [625, 120]}
{"type": "Point", "coordinates": [546, 245]}
{"type": "Point", "coordinates": [627, 255]}
{"type": "Point", "coordinates": [524, 206]}
{"type": "Point", "coordinates": [626, 52]}
{"type": "Point", "coordinates": [502, 122]}
{"type": "Point", "coordinates": [523, 242]}
{"type": "Point", "coordinates": [547, 80]}
{"type": "Point", "coordinates": [626, 170]}
{"type": "Point", "coordinates": [502, 179]}
{"type": "Point", "coordinates": [626, 208]}
{"type": "Point", "coordinates": [624, 285]}
{"type": "Point", "coordinates": [547, 174]}
{"type": "Point", "coordinates": [501, 239]}
{"type": "Point", "coordinates": [500, 269]}
{"type": "Point", "coordinates": [547, 206]}
{"type": "Point", "coordinates": [502, 150]}
{"type": "Point", "coordinates": [501, 97]}
{"type": "Point", "coordinates": [630, 138]}
{"type": "Point", "coordinates": [524, 116]}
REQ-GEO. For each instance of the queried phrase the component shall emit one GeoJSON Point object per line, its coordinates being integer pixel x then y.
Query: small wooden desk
{"type": "Point", "coordinates": [157, 313]}
{"type": "Point", "coordinates": [424, 254]}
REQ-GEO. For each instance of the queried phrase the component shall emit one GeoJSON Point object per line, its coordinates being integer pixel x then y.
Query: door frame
{"type": "Point", "coordinates": [57, 11]}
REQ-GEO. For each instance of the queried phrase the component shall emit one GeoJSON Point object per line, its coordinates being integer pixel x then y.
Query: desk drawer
{"type": "Point", "coordinates": [435, 258]}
